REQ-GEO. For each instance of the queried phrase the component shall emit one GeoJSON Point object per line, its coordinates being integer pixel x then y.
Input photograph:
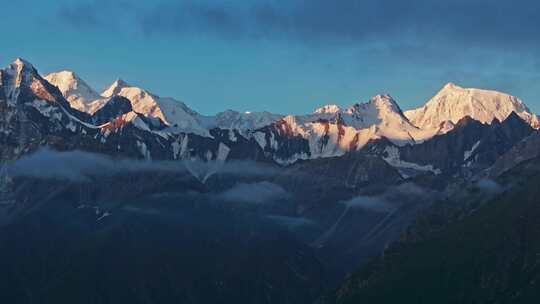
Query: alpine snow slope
{"type": "Point", "coordinates": [453, 103]}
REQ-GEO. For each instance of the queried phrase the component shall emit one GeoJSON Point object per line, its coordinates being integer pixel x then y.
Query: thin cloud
{"type": "Point", "coordinates": [475, 22]}
{"type": "Point", "coordinates": [374, 204]}
{"type": "Point", "coordinates": [392, 199]}
{"type": "Point", "coordinates": [81, 166]}
{"type": "Point", "coordinates": [489, 186]}
{"type": "Point", "coordinates": [475, 43]}
{"type": "Point", "coordinates": [291, 223]}
{"type": "Point", "coordinates": [254, 193]}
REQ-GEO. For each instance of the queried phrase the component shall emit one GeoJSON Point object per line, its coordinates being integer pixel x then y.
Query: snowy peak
{"type": "Point", "coordinates": [332, 131]}
{"type": "Point", "coordinates": [243, 122]}
{"type": "Point", "coordinates": [20, 71]}
{"type": "Point", "coordinates": [328, 109]}
{"type": "Point", "coordinates": [451, 86]}
{"type": "Point", "coordinates": [454, 102]}
{"type": "Point", "coordinates": [385, 103]}
{"type": "Point", "coordinates": [21, 78]}
{"type": "Point", "coordinates": [77, 92]}
{"type": "Point", "coordinates": [142, 101]}
{"type": "Point", "coordinates": [115, 88]}
{"type": "Point", "coordinates": [21, 65]}
{"type": "Point", "coordinates": [380, 109]}
{"type": "Point", "coordinates": [376, 107]}
{"type": "Point", "coordinates": [175, 114]}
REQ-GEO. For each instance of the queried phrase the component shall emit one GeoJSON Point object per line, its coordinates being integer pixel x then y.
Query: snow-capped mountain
{"type": "Point", "coordinates": [31, 107]}
{"type": "Point", "coordinates": [22, 85]}
{"type": "Point", "coordinates": [470, 146]}
{"type": "Point", "coordinates": [21, 75]}
{"type": "Point", "coordinates": [243, 122]}
{"type": "Point", "coordinates": [173, 113]}
{"type": "Point", "coordinates": [332, 131]}
{"type": "Point", "coordinates": [177, 115]}
{"type": "Point", "coordinates": [453, 103]}
{"type": "Point", "coordinates": [77, 92]}
{"type": "Point", "coordinates": [132, 121]}
{"type": "Point", "coordinates": [35, 114]}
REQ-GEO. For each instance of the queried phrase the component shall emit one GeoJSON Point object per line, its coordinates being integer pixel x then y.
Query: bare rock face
{"type": "Point", "coordinates": [467, 149]}
{"type": "Point", "coordinates": [114, 107]}
{"type": "Point", "coordinates": [524, 150]}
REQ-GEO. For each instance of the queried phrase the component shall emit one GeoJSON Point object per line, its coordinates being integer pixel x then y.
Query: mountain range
{"type": "Point", "coordinates": [317, 204]}
{"type": "Point", "coordinates": [168, 129]}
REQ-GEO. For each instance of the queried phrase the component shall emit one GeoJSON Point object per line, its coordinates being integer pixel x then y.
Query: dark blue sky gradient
{"type": "Point", "coordinates": [283, 56]}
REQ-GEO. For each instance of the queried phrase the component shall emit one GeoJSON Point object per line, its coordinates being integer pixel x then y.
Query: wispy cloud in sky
{"type": "Point", "coordinates": [425, 33]}
{"type": "Point", "coordinates": [479, 22]}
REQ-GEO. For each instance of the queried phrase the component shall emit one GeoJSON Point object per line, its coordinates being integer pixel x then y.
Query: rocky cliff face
{"type": "Point", "coordinates": [468, 148]}
{"type": "Point", "coordinates": [524, 150]}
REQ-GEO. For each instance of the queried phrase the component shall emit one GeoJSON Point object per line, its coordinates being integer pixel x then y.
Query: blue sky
{"type": "Point", "coordinates": [282, 56]}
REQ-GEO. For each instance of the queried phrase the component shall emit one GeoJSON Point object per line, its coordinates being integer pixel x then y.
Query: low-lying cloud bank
{"type": "Point", "coordinates": [375, 204]}
{"type": "Point", "coordinates": [290, 222]}
{"type": "Point", "coordinates": [391, 200]}
{"type": "Point", "coordinates": [80, 166]}
{"type": "Point", "coordinates": [255, 193]}
{"type": "Point", "coordinates": [489, 186]}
